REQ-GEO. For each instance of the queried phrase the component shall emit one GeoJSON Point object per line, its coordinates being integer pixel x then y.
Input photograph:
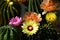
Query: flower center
{"type": "Point", "coordinates": [15, 21]}
{"type": "Point", "coordinates": [51, 18]}
{"type": "Point", "coordinates": [30, 28]}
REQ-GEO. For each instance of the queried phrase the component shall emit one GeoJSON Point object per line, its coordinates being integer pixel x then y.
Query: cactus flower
{"type": "Point", "coordinates": [48, 5]}
{"type": "Point", "coordinates": [15, 21]}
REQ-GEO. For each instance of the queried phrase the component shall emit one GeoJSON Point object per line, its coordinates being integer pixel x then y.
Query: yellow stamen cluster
{"type": "Point", "coordinates": [10, 3]}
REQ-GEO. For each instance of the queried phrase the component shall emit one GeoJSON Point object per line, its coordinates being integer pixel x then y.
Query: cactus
{"type": "Point", "coordinates": [34, 5]}
{"type": "Point", "coordinates": [8, 33]}
{"type": "Point", "coordinates": [48, 33]}
{"type": "Point", "coordinates": [8, 9]}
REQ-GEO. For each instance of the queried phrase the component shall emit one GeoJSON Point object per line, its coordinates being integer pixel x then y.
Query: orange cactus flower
{"type": "Point", "coordinates": [32, 16]}
{"type": "Point", "coordinates": [49, 5]}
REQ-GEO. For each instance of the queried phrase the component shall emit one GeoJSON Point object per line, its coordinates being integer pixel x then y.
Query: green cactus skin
{"type": "Point", "coordinates": [8, 10]}
{"type": "Point", "coordinates": [8, 33]}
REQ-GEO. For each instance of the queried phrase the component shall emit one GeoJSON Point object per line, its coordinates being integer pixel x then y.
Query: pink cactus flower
{"type": "Point", "coordinates": [15, 21]}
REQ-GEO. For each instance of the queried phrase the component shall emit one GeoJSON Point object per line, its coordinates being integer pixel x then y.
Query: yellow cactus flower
{"type": "Point", "coordinates": [50, 17]}
{"type": "Point", "coordinates": [30, 27]}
